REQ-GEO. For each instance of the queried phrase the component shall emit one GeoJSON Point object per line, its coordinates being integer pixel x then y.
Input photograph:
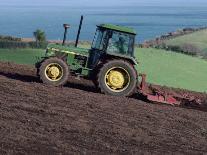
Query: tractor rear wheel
{"type": "Point", "coordinates": [54, 71]}
{"type": "Point", "coordinates": [117, 78]}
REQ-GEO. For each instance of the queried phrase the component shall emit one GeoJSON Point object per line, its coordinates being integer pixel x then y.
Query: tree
{"type": "Point", "coordinates": [40, 36]}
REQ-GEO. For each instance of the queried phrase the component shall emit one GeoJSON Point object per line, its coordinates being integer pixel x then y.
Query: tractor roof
{"type": "Point", "coordinates": [118, 28]}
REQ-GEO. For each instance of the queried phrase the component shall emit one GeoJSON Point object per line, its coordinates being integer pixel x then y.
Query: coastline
{"type": "Point", "coordinates": [146, 44]}
{"type": "Point", "coordinates": [170, 35]}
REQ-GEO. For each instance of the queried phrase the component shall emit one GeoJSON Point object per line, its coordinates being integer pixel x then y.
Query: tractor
{"type": "Point", "coordinates": [110, 63]}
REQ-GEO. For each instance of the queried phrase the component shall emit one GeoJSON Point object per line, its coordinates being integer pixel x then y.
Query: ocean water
{"type": "Point", "coordinates": [148, 21]}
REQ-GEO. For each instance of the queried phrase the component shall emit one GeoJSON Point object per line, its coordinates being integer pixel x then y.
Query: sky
{"type": "Point", "coordinates": [106, 2]}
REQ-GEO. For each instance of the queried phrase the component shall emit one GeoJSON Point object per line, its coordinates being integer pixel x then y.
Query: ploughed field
{"type": "Point", "coordinates": [40, 119]}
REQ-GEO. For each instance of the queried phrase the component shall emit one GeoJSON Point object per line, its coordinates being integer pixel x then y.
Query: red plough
{"type": "Point", "coordinates": [156, 95]}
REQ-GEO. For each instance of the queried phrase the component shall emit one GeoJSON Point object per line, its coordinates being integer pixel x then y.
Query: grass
{"type": "Point", "coordinates": [198, 39]}
{"type": "Point", "coordinates": [162, 67]}
{"type": "Point", "coordinates": [173, 69]}
{"type": "Point", "coordinates": [21, 56]}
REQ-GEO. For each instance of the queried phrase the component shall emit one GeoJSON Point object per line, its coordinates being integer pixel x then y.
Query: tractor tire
{"type": "Point", "coordinates": [54, 71]}
{"type": "Point", "coordinates": [117, 78]}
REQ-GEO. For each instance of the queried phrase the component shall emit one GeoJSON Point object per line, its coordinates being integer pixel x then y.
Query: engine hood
{"type": "Point", "coordinates": [52, 48]}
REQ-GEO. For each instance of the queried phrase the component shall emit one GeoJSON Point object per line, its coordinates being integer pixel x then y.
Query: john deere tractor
{"type": "Point", "coordinates": [110, 63]}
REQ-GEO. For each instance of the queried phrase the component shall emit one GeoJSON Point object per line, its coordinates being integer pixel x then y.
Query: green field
{"type": "Point", "coordinates": [198, 39]}
{"type": "Point", "coordinates": [21, 56]}
{"type": "Point", "coordinates": [162, 67]}
{"type": "Point", "coordinates": [173, 69]}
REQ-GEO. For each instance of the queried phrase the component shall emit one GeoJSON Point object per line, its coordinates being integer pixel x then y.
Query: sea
{"type": "Point", "coordinates": [148, 21]}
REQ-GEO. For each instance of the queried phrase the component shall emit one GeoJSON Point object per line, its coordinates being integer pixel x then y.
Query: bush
{"type": "Point", "coordinates": [161, 46]}
{"type": "Point", "coordinates": [20, 44]}
{"type": "Point", "coordinates": [12, 44]}
{"type": "Point", "coordinates": [191, 49]}
{"type": "Point", "coordinates": [174, 48]}
{"type": "Point", "coordinates": [41, 45]}
{"type": "Point", "coordinates": [9, 38]}
{"type": "Point", "coordinates": [188, 49]}
{"type": "Point", "coordinates": [204, 55]}
{"type": "Point", "coordinates": [40, 37]}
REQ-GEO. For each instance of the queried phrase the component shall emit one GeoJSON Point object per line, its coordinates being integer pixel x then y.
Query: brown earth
{"type": "Point", "coordinates": [40, 119]}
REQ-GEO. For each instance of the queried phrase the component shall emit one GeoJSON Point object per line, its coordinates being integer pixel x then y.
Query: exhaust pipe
{"type": "Point", "coordinates": [66, 26]}
{"type": "Point", "coordinates": [79, 30]}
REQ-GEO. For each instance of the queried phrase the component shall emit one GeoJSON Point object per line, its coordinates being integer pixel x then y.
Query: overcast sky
{"type": "Point", "coordinates": [106, 2]}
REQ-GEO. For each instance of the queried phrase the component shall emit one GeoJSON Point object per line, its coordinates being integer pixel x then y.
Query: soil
{"type": "Point", "coordinates": [76, 119]}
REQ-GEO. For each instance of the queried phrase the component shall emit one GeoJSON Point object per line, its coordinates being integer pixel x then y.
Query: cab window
{"type": "Point", "coordinates": [99, 41]}
{"type": "Point", "coordinates": [121, 43]}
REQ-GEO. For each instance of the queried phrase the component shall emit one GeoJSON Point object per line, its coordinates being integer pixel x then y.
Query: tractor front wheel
{"type": "Point", "coordinates": [117, 78]}
{"type": "Point", "coordinates": [54, 71]}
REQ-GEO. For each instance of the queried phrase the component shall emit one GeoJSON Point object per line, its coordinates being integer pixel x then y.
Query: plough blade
{"type": "Point", "coordinates": [161, 99]}
{"type": "Point", "coordinates": [159, 96]}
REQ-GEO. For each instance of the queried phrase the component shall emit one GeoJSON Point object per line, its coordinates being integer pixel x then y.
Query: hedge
{"type": "Point", "coordinates": [20, 44]}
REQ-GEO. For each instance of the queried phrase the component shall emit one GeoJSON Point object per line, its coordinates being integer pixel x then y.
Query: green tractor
{"type": "Point", "coordinates": [110, 63]}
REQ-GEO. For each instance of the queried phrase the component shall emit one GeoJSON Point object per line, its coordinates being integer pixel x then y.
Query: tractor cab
{"type": "Point", "coordinates": [114, 40]}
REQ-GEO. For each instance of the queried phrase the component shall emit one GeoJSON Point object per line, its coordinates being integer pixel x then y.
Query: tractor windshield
{"type": "Point", "coordinates": [99, 41]}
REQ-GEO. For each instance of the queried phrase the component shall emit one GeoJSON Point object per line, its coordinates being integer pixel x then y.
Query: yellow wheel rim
{"type": "Point", "coordinates": [117, 79]}
{"type": "Point", "coordinates": [54, 72]}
